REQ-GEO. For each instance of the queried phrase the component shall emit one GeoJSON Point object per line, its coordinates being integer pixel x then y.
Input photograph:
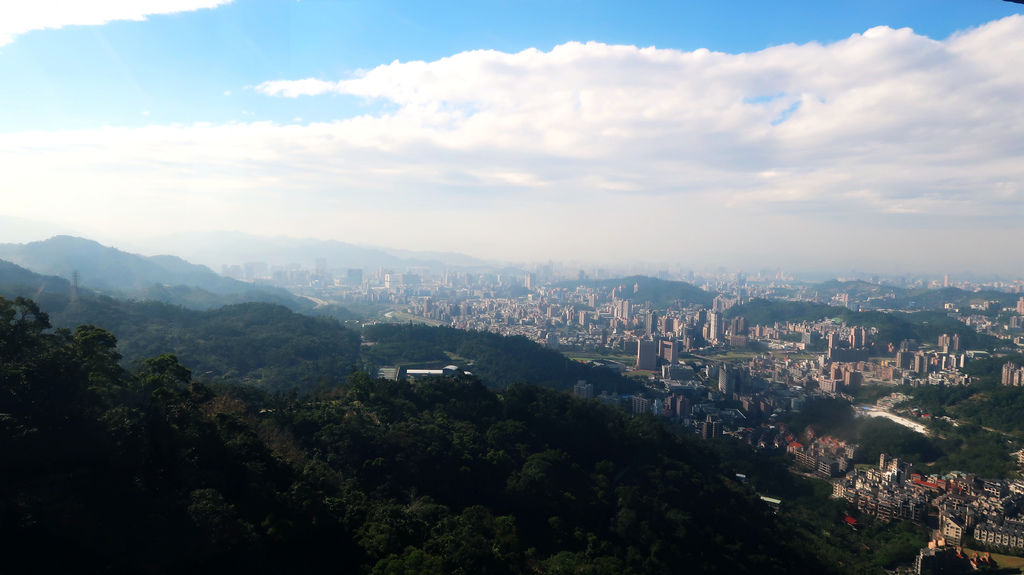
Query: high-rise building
{"type": "Point", "coordinates": [852, 380]}
{"type": "Point", "coordinates": [641, 405]}
{"type": "Point", "coordinates": [583, 389]}
{"type": "Point", "coordinates": [858, 337]}
{"type": "Point", "coordinates": [904, 359]}
{"type": "Point", "coordinates": [738, 326]}
{"type": "Point", "coordinates": [726, 380]}
{"type": "Point", "coordinates": [667, 324]}
{"type": "Point", "coordinates": [1020, 306]}
{"type": "Point", "coordinates": [1012, 374]}
{"type": "Point", "coordinates": [624, 310]}
{"type": "Point", "coordinates": [646, 354]}
{"type": "Point", "coordinates": [668, 351]}
{"type": "Point", "coordinates": [714, 327]}
{"type": "Point", "coordinates": [920, 363]}
{"type": "Point", "coordinates": [832, 340]}
{"type": "Point", "coordinates": [711, 427]}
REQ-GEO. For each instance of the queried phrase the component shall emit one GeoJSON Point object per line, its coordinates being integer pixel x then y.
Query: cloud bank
{"type": "Point", "coordinates": [17, 18]}
{"type": "Point", "coordinates": [592, 150]}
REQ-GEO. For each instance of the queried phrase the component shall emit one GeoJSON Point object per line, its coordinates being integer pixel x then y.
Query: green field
{"type": "Point", "coordinates": [628, 359]}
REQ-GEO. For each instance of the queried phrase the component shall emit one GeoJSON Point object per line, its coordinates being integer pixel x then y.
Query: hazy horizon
{"type": "Point", "coordinates": [239, 248]}
{"type": "Point", "coordinates": [878, 138]}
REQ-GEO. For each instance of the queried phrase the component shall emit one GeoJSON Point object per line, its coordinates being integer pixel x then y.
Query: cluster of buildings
{"type": "Point", "coordinates": [987, 511]}
{"type": "Point", "coordinates": [544, 306]}
{"type": "Point", "coordinates": [695, 400]}
{"type": "Point", "coordinates": [1013, 374]}
{"type": "Point", "coordinates": [826, 456]}
{"type": "Point", "coordinates": [939, 557]}
{"type": "Point", "coordinates": [967, 506]}
{"type": "Point", "coordinates": [887, 492]}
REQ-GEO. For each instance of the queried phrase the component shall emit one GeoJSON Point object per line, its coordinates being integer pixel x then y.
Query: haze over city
{"type": "Point", "coordinates": [883, 138]}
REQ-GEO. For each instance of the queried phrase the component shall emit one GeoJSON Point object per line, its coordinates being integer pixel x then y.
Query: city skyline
{"type": "Point", "coordinates": [884, 139]}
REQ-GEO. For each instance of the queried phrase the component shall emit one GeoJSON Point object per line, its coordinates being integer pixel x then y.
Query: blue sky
{"type": "Point", "coordinates": [178, 67]}
{"type": "Point", "coordinates": [313, 118]}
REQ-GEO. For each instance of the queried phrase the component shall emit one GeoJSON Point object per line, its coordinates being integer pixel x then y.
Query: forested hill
{"type": "Point", "coordinates": [257, 343]}
{"type": "Point", "coordinates": [152, 472]}
{"type": "Point", "coordinates": [661, 293]}
{"type": "Point", "coordinates": [17, 281]}
{"type": "Point", "coordinates": [112, 271]}
{"type": "Point", "coordinates": [893, 327]}
{"type": "Point", "coordinates": [894, 297]}
{"type": "Point", "coordinates": [767, 312]}
{"type": "Point", "coordinates": [276, 349]}
{"type": "Point", "coordinates": [499, 361]}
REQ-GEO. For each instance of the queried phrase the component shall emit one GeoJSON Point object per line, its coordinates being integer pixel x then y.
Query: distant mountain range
{"type": "Point", "coordinates": [18, 281]}
{"type": "Point", "coordinates": [218, 248]}
{"type": "Point", "coordinates": [32, 267]}
{"type": "Point", "coordinates": [893, 297]}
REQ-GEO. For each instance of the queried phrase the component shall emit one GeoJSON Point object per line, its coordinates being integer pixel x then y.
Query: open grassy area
{"type": "Point", "coordinates": [642, 374]}
{"type": "Point", "coordinates": [628, 359]}
{"type": "Point", "coordinates": [458, 359]}
{"type": "Point", "coordinates": [403, 317]}
{"type": "Point", "coordinates": [1008, 564]}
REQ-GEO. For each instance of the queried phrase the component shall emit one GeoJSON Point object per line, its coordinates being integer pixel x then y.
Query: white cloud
{"type": "Point", "coordinates": [611, 150]}
{"type": "Point", "coordinates": [17, 18]}
{"type": "Point", "coordinates": [888, 111]}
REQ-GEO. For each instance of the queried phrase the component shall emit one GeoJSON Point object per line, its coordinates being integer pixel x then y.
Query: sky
{"type": "Point", "coordinates": [876, 135]}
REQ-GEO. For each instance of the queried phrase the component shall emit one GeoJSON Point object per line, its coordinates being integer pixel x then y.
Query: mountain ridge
{"type": "Point", "coordinates": [111, 270]}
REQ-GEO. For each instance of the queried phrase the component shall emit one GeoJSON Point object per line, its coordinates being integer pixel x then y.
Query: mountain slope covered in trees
{"type": "Point", "coordinates": [661, 293]}
{"type": "Point", "coordinates": [498, 360]}
{"type": "Point", "coordinates": [258, 343]}
{"type": "Point", "coordinates": [152, 472]}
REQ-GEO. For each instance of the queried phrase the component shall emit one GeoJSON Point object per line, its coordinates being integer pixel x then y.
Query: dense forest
{"type": "Point", "coordinates": [153, 471]}
{"type": "Point", "coordinates": [275, 348]}
{"type": "Point", "coordinates": [260, 343]}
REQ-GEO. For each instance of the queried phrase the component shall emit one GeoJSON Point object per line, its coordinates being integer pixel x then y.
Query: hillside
{"type": "Point", "coordinates": [152, 472]}
{"type": "Point", "coordinates": [258, 343]}
{"type": "Point", "coordinates": [661, 293]}
{"type": "Point", "coordinates": [272, 347]}
{"type": "Point", "coordinates": [893, 327]}
{"type": "Point", "coordinates": [18, 281]}
{"type": "Point", "coordinates": [497, 360]}
{"type": "Point", "coordinates": [892, 297]}
{"type": "Point", "coordinates": [113, 271]}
